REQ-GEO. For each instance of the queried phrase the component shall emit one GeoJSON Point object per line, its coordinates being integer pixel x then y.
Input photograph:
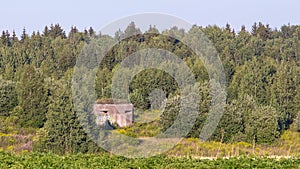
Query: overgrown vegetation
{"type": "Point", "coordinates": [262, 69]}
{"type": "Point", "coordinates": [39, 160]}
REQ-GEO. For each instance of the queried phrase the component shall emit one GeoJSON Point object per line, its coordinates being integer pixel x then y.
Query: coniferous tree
{"type": "Point", "coordinates": [8, 97]}
{"type": "Point", "coordinates": [32, 98]}
{"type": "Point", "coordinates": [14, 37]}
{"type": "Point", "coordinates": [132, 30]}
{"type": "Point", "coordinates": [262, 64]}
{"type": "Point", "coordinates": [24, 35]}
{"type": "Point", "coordinates": [46, 31]}
{"type": "Point", "coordinates": [92, 33]}
{"type": "Point", "coordinates": [254, 30]}
{"type": "Point", "coordinates": [62, 132]}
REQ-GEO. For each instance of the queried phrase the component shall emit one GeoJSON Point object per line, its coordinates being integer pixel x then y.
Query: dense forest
{"type": "Point", "coordinates": [261, 64]}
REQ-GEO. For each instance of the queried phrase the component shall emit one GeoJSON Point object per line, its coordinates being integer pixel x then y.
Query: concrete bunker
{"type": "Point", "coordinates": [116, 113]}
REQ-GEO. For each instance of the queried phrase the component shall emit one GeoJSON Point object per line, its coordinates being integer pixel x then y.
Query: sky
{"type": "Point", "coordinates": [34, 15]}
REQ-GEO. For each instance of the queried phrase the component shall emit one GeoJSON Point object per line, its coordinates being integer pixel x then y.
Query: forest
{"type": "Point", "coordinates": [262, 68]}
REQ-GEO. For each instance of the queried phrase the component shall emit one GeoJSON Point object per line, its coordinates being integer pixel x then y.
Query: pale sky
{"type": "Point", "coordinates": [35, 15]}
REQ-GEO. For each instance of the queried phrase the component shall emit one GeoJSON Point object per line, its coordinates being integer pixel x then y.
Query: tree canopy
{"type": "Point", "coordinates": [262, 69]}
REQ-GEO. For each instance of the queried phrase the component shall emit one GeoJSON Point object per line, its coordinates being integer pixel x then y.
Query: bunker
{"type": "Point", "coordinates": [116, 113]}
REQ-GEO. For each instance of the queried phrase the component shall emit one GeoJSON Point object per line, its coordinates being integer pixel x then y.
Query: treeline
{"type": "Point", "coordinates": [262, 70]}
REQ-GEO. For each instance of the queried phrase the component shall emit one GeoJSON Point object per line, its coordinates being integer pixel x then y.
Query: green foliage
{"type": "Point", "coordinates": [245, 120]}
{"type": "Point", "coordinates": [262, 125]}
{"type": "Point", "coordinates": [262, 70]}
{"type": "Point", "coordinates": [8, 97]}
{"type": "Point", "coordinates": [32, 98]}
{"type": "Point", "coordinates": [40, 160]}
{"type": "Point", "coordinates": [142, 130]}
{"type": "Point", "coordinates": [171, 112]}
{"type": "Point", "coordinates": [62, 132]}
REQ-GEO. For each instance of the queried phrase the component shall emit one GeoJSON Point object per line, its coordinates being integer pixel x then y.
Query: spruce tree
{"type": "Point", "coordinates": [62, 132]}
{"type": "Point", "coordinates": [32, 98]}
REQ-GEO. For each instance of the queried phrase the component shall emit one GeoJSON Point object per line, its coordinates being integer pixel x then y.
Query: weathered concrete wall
{"type": "Point", "coordinates": [122, 114]}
